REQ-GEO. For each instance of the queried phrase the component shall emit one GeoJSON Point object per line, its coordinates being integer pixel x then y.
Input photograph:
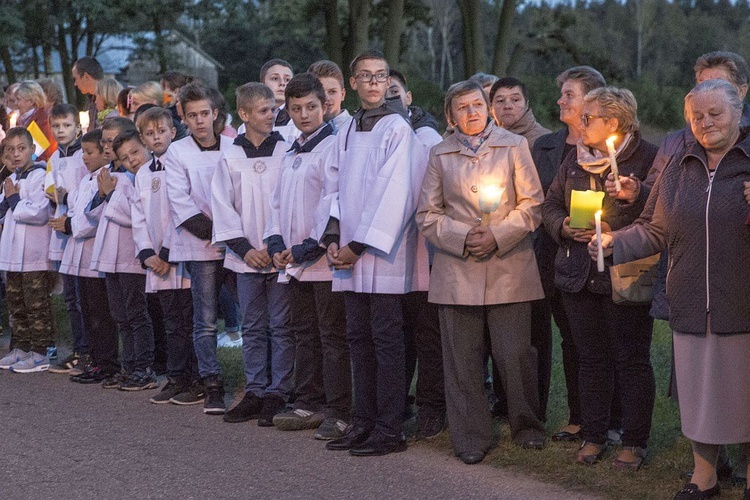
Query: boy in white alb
{"type": "Point", "coordinates": [190, 165]}
{"type": "Point", "coordinates": [375, 261]}
{"type": "Point", "coordinates": [24, 246]}
{"type": "Point", "coordinates": [275, 74]}
{"type": "Point", "coordinates": [152, 231]}
{"type": "Point", "coordinates": [241, 192]}
{"type": "Point", "coordinates": [332, 79]}
{"type": "Point", "coordinates": [323, 387]}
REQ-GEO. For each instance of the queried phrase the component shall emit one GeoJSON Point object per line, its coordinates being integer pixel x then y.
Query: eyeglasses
{"type": "Point", "coordinates": [585, 119]}
{"type": "Point", "coordinates": [368, 77]}
{"type": "Point", "coordinates": [106, 142]}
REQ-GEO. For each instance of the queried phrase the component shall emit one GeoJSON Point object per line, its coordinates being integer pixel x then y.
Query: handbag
{"type": "Point", "coordinates": [633, 282]}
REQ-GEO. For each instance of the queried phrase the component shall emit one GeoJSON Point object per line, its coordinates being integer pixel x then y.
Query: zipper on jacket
{"type": "Point", "coordinates": [708, 201]}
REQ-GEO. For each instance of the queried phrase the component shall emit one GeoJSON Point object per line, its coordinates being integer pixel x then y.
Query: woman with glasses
{"type": "Point", "coordinates": [612, 340]}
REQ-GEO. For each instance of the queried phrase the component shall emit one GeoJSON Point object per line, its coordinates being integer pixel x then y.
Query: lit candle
{"type": "Point", "coordinates": [83, 117]}
{"type": "Point", "coordinates": [583, 206]}
{"type": "Point", "coordinates": [12, 119]}
{"type": "Point", "coordinates": [613, 161]}
{"type": "Point", "coordinates": [600, 251]}
{"type": "Point", "coordinates": [489, 200]}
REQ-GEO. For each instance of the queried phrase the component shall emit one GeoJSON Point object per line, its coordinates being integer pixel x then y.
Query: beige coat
{"type": "Point", "coordinates": [449, 208]}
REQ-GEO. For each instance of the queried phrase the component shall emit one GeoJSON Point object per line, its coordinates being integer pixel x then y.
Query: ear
{"type": "Point", "coordinates": [408, 98]}
{"type": "Point", "coordinates": [343, 94]}
{"type": "Point", "coordinates": [614, 124]}
{"type": "Point", "coordinates": [174, 133]}
{"type": "Point", "coordinates": [243, 115]}
{"type": "Point", "coordinates": [743, 91]}
{"type": "Point", "coordinates": [353, 83]}
{"type": "Point", "coordinates": [215, 114]}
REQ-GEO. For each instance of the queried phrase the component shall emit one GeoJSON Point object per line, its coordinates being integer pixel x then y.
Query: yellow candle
{"type": "Point", "coordinates": [600, 251]}
{"type": "Point", "coordinates": [613, 161]}
{"type": "Point", "coordinates": [83, 117]}
{"type": "Point", "coordinates": [583, 206]}
{"type": "Point", "coordinates": [13, 119]}
{"type": "Point", "coordinates": [489, 199]}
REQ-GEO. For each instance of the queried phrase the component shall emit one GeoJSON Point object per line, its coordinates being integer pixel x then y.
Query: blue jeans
{"type": "Point", "coordinates": [264, 306]}
{"type": "Point", "coordinates": [228, 309]}
{"type": "Point", "coordinates": [72, 298]}
{"type": "Point", "coordinates": [206, 278]}
{"type": "Point", "coordinates": [126, 294]}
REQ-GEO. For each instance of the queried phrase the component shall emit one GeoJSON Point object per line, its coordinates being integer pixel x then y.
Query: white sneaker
{"type": "Point", "coordinates": [225, 340]}
{"type": "Point", "coordinates": [12, 358]}
{"type": "Point", "coordinates": [34, 362]}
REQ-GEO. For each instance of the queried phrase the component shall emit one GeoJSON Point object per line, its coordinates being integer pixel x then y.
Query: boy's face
{"type": "Point", "coordinates": [108, 137]}
{"type": "Point", "coordinates": [64, 129]}
{"type": "Point", "coordinates": [19, 152]}
{"type": "Point", "coordinates": [306, 113]}
{"type": "Point", "coordinates": [397, 90]}
{"type": "Point", "coordinates": [258, 116]}
{"type": "Point", "coordinates": [199, 118]}
{"type": "Point", "coordinates": [276, 79]}
{"type": "Point", "coordinates": [371, 81]}
{"type": "Point", "coordinates": [157, 136]}
{"type": "Point", "coordinates": [335, 95]}
{"type": "Point", "coordinates": [133, 155]}
{"type": "Point", "coordinates": [93, 156]}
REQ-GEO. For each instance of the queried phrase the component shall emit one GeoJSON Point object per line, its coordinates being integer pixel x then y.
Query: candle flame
{"type": "Point", "coordinates": [611, 141]}
{"type": "Point", "coordinates": [83, 118]}
{"type": "Point", "coordinates": [599, 213]}
{"type": "Point", "coordinates": [13, 119]}
{"type": "Point", "coordinates": [489, 197]}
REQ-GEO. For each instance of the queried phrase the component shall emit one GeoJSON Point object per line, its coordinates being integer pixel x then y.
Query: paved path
{"type": "Point", "coordinates": [64, 440]}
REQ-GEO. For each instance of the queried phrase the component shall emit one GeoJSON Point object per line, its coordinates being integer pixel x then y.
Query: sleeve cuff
{"type": "Point", "coordinates": [13, 200]}
{"type": "Point", "coordinates": [240, 246]}
{"type": "Point", "coordinates": [275, 244]}
{"type": "Point", "coordinates": [145, 254]}
{"type": "Point", "coordinates": [357, 247]}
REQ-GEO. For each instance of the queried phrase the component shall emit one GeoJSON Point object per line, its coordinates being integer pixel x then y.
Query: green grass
{"type": "Point", "coordinates": [669, 452]}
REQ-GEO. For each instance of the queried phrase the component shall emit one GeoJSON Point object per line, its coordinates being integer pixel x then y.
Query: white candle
{"type": "Point", "coordinates": [83, 117]}
{"type": "Point", "coordinates": [600, 250]}
{"type": "Point", "coordinates": [489, 199]}
{"type": "Point", "coordinates": [613, 161]}
{"type": "Point", "coordinates": [12, 119]}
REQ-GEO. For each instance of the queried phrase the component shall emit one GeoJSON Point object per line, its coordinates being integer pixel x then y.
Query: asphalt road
{"type": "Point", "coordinates": [64, 440]}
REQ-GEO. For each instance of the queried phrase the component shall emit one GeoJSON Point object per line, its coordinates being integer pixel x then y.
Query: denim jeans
{"type": "Point", "coordinates": [177, 311]}
{"type": "Point", "coordinates": [374, 328]}
{"type": "Point", "coordinates": [206, 278]}
{"type": "Point", "coordinates": [264, 306]}
{"type": "Point", "coordinates": [228, 309]}
{"type": "Point", "coordinates": [126, 294]}
{"type": "Point", "coordinates": [72, 297]}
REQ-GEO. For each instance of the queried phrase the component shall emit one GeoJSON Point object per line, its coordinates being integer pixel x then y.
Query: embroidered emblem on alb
{"type": "Point", "coordinates": [297, 163]}
{"type": "Point", "coordinates": [155, 184]}
{"type": "Point", "coordinates": [259, 167]}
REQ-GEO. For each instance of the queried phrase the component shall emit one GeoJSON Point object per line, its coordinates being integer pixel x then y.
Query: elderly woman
{"type": "Point", "coordinates": [700, 216]}
{"type": "Point", "coordinates": [31, 101]}
{"type": "Point", "coordinates": [612, 340]}
{"type": "Point", "coordinates": [483, 276]}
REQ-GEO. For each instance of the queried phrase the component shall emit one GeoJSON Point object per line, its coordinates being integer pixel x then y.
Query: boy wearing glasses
{"type": "Point", "coordinates": [373, 253]}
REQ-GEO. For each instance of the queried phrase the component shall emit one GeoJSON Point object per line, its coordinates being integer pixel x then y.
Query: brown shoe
{"type": "Point", "coordinates": [590, 453]}
{"type": "Point", "coordinates": [630, 458]}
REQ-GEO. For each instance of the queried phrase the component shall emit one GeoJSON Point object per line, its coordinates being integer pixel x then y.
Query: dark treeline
{"type": "Point", "coordinates": [647, 45]}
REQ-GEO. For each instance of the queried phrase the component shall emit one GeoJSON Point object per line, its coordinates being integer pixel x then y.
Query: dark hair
{"type": "Point", "coordinates": [175, 79]}
{"type": "Point", "coordinates": [196, 91]}
{"type": "Point", "coordinates": [63, 110]}
{"type": "Point", "coordinates": [90, 65]}
{"type": "Point", "coordinates": [327, 69]}
{"type": "Point", "coordinates": [508, 83]}
{"type": "Point", "coordinates": [366, 55]}
{"type": "Point", "coordinates": [21, 132]}
{"type": "Point", "coordinates": [397, 75]}
{"type": "Point", "coordinates": [52, 91]}
{"type": "Point", "coordinates": [118, 123]}
{"type": "Point", "coordinates": [155, 115]}
{"type": "Point", "coordinates": [221, 106]}
{"type": "Point", "coordinates": [273, 62]}
{"type": "Point", "coordinates": [123, 99]}
{"type": "Point", "coordinates": [125, 136]}
{"type": "Point", "coordinates": [93, 137]}
{"type": "Point", "coordinates": [143, 108]}
{"type": "Point", "coordinates": [589, 77]}
{"type": "Point", "coordinates": [303, 85]}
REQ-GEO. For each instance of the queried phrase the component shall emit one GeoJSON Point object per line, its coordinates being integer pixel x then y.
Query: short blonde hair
{"type": "Point", "coordinates": [616, 103]}
{"type": "Point", "coordinates": [149, 91]}
{"type": "Point", "coordinates": [248, 93]}
{"type": "Point", "coordinates": [108, 89]}
{"type": "Point", "coordinates": [32, 91]}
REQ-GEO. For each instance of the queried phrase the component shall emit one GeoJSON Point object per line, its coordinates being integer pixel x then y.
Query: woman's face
{"type": "Point", "coordinates": [24, 104]}
{"type": "Point", "coordinates": [469, 112]}
{"type": "Point", "coordinates": [714, 123]}
{"type": "Point", "coordinates": [571, 103]}
{"type": "Point", "coordinates": [595, 127]}
{"type": "Point", "coordinates": [508, 106]}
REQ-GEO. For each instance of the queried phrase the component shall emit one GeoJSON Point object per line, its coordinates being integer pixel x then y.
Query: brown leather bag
{"type": "Point", "coordinates": [633, 282]}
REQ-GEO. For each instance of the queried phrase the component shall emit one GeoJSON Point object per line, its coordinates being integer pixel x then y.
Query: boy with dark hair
{"type": "Point", "coordinates": [323, 370]}
{"type": "Point", "coordinates": [332, 78]}
{"type": "Point", "coordinates": [24, 244]}
{"type": "Point", "coordinates": [240, 193]}
{"type": "Point", "coordinates": [275, 74]}
{"type": "Point", "coordinates": [66, 169]}
{"type": "Point", "coordinates": [424, 124]}
{"type": "Point", "coordinates": [375, 260]}
{"type": "Point", "coordinates": [152, 231]}
{"type": "Point", "coordinates": [190, 165]}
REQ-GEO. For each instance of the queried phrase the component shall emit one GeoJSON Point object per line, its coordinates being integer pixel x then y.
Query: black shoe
{"type": "Point", "coordinates": [429, 426]}
{"type": "Point", "coordinates": [247, 409]}
{"type": "Point", "coordinates": [692, 492]}
{"type": "Point", "coordinates": [530, 439]}
{"type": "Point", "coordinates": [193, 394]}
{"type": "Point", "coordinates": [379, 444]}
{"type": "Point", "coordinates": [172, 388]}
{"type": "Point", "coordinates": [114, 381]}
{"type": "Point", "coordinates": [273, 404]}
{"type": "Point", "coordinates": [472, 457]}
{"type": "Point", "coordinates": [214, 402]}
{"type": "Point", "coordinates": [140, 380]}
{"type": "Point", "coordinates": [354, 436]}
{"type": "Point", "coordinates": [94, 375]}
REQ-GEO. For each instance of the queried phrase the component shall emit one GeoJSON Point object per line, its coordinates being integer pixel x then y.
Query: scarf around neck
{"type": "Point", "coordinates": [594, 161]}
{"type": "Point", "coordinates": [474, 141]}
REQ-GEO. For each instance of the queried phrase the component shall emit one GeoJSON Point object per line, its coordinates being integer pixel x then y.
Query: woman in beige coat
{"type": "Point", "coordinates": [483, 275]}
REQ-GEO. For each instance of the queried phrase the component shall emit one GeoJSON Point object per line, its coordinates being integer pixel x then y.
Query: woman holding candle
{"type": "Point", "coordinates": [612, 340]}
{"type": "Point", "coordinates": [700, 217]}
{"type": "Point", "coordinates": [483, 276]}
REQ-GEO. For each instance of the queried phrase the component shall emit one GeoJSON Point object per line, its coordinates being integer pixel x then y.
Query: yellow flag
{"type": "Point", "coordinates": [41, 143]}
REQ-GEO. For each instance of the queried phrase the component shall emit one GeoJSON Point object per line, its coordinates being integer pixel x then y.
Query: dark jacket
{"type": "Point", "coordinates": [703, 225]}
{"type": "Point", "coordinates": [573, 266]}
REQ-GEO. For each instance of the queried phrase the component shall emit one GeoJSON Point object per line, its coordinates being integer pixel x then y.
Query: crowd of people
{"type": "Point", "coordinates": [366, 249]}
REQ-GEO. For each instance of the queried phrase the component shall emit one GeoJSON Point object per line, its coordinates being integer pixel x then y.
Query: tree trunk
{"type": "Point", "coordinates": [47, 53]}
{"type": "Point", "coordinates": [359, 27]}
{"type": "Point", "coordinates": [7, 60]}
{"type": "Point", "coordinates": [504, 31]}
{"type": "Point", "coordinates": [159, 46]}
{"type": "Point", "coordinates": [333, 43]}
{"type": "Point", "coordinates": [431, 49]}
{"type": "Point", "coordinates": [34, 60]}
{"type": "Point", "coordinates": [473, 56]}
{"type": "Point", "coordinates": [393, 28]}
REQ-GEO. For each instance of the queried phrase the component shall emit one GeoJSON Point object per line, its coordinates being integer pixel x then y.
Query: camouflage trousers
{"type": "Point", "coordinates": [29, 304]}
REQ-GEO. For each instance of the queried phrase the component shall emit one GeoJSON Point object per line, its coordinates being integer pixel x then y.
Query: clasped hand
{"type": "Point", "coordinates": [480, 242]}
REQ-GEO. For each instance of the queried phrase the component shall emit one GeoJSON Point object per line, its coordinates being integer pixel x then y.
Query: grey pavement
{"type": "Point", "coordinates": [65, 440]}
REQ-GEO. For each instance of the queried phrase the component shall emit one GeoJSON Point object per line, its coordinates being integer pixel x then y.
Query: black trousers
{"type": "Point", "coordinates": [177, 316]}
{"type": "Point", "coordinates": [101, 329]}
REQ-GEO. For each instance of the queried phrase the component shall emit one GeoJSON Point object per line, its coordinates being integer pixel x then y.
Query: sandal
{"type": "Point", "coordinates": [630, 458]}
{"type": "Point", "coordinates": [590, 453]}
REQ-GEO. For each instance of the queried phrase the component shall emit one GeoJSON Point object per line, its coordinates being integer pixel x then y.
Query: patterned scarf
{"type": "Point", "coordinates": [474, 141]}
{"type": "Point", "coordinates": [594, 161]}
